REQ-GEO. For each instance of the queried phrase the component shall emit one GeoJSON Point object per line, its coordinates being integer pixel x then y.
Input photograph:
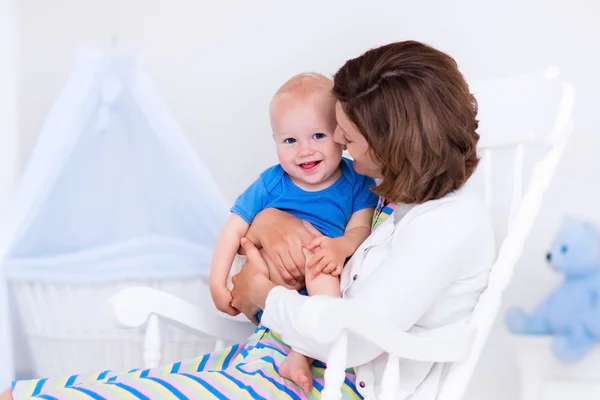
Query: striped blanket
{"type": "Point", "coordinates": [248, 371]}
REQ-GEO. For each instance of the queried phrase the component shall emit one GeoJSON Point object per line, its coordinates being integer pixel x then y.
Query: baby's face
{"type": "Point", "coordinates": [303, 132]}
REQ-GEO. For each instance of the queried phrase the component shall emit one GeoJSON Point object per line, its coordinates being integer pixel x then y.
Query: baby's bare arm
{"type": "Point", "coordinates": [358, 229]}
{"type": "Point", "coordinates": [326, 284]}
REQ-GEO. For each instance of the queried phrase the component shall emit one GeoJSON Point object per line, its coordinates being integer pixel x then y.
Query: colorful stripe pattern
{"type": "Point", "coordinates": [238, 372]}
{"type": "Point", "coordinates": [382, 212]}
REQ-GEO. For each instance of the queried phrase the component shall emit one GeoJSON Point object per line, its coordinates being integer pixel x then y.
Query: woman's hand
{"type": "Point", "coordinates": [283, 236]}
{"type": "Point", "coordinates": [251, 285]}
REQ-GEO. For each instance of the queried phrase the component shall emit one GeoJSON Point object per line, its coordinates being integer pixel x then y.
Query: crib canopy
{"type": "Point", "coordinates": [112, 189]}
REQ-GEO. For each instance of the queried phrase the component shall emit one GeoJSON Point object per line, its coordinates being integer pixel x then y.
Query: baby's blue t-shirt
{"type": "Point", "coordinates": [328, 210]}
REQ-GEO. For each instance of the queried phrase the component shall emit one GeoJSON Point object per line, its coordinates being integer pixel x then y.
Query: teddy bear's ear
{"type": "Point", "coordinates": [572, 228]}
{"type": "Point", "coordinates": [568, 223]}
{"type": "Point", "coordinates": [591, 228]}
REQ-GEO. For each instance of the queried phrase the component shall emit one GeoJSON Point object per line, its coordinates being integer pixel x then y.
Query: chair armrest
{"type": "Point", "coordinates": [333, 318]}
{"type": "Point", "coordinates": [132, 307]}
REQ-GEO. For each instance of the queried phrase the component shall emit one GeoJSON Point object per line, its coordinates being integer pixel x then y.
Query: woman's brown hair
{"type": "Point", "coordinates": [415, 110]}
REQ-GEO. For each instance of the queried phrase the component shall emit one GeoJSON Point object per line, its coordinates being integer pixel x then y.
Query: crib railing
{"type": "Point", "coordinates": [138, 306]}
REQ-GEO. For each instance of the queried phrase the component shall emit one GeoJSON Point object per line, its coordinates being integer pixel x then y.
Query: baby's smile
{"type": "Point", "coordinates": [309, 166]}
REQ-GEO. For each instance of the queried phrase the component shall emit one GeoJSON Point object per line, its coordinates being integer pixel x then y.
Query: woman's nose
{"type": "Point", "coordinates": [337, 137]}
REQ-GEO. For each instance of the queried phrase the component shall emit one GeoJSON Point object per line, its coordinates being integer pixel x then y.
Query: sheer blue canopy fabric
{"type": "Point", "coordinates": [112, 191]}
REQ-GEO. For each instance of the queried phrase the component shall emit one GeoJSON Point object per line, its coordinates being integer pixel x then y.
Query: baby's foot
{"type": "Point", "coordinates": [296, 368]}
{"type": "Point", "coordinates": [6, 395]}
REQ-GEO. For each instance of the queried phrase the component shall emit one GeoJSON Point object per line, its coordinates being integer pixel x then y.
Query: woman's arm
{"type": "Point", "coordinates": [425, 258]}
{"type": "Point", "coordinates": [282, 236]}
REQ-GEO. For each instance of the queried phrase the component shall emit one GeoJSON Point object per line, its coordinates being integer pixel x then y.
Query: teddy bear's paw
{"type": "Point", "coordinates": [592, 324]}
{"type": "Point", "coordinates": [569, 351]}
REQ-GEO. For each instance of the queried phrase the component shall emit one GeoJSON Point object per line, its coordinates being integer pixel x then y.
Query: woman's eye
{"type": "Point", "coordinates": [289, 141]}
{"type": "Point", "coordinates": [319, 135]}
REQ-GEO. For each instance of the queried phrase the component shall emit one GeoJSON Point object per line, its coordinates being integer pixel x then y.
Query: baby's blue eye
{"type": "Point", "coordinates": [319, 135]}
{"type": "Point", "coordinates": [564, 249]}
{"type": "Point", "coordinates": [289, 141]}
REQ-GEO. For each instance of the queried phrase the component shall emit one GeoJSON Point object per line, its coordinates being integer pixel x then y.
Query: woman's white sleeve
{"type": "Point", "coordinates": [426, 256]}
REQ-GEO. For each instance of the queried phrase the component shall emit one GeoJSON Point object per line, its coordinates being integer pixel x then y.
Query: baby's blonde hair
{"type": "Point", "coordinates": [304, 85]}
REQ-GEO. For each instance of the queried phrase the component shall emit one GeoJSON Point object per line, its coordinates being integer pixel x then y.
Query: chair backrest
{"type": "Point", "coordinates": [525, 122]}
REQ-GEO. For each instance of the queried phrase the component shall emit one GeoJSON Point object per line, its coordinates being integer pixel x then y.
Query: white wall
{"type": "Point", "coordinates": [217, 64]}
{"type": "Point", "coordinates": [8, 99]}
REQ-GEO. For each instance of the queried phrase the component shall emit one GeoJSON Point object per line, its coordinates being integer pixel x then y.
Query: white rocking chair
{"type": "Point", "coordinates": [528, 114]}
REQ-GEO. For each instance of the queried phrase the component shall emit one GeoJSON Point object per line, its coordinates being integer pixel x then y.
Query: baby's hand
{"type": "Point", "coordinates": [222, 298]}
{"type": "Point", "coordinates": [330, 256]}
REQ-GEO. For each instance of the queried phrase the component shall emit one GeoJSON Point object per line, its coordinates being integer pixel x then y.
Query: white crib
{"type": "Point", "coordinates": [513, 186]}
{"type": "Point", "coordinates": [90, 342]}
{"type": "Point", "coordinates": [112, 196]}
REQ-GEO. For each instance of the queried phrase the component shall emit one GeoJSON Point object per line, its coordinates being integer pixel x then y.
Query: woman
{"type": "Point", "coordinates": [406, 116]}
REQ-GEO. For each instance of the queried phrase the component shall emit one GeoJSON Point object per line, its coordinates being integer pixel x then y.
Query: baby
{"type": "Point", "coordinates": [313, 182]}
